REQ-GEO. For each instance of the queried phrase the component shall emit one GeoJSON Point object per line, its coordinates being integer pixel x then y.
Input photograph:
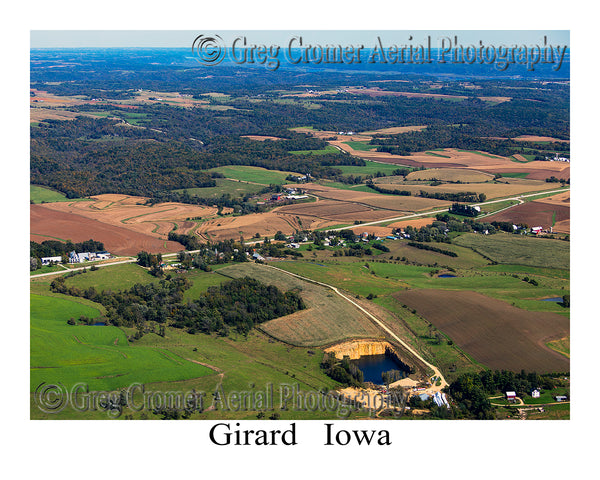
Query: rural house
{"type": "Point", "coordinates": [535, 393]}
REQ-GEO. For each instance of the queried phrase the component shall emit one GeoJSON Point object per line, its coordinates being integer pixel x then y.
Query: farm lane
{"type": "Point", "coordinates": [434, 387]}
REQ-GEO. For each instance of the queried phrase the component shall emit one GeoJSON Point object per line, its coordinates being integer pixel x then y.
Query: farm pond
{"type": "Point", "coordinates": [373, 366]}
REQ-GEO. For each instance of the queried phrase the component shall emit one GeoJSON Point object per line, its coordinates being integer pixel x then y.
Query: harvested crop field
{"type": "Point", "coordinates": [491, 190]}
{"type": "Point", "coordinates": [536, 214]}
{"type": "Point", "coordinates": [395, 130]}
{"type": "Point", "coordinates": [260, 138]}
{"type": "Point", "coordinates": [130, 212]}
{"type": "Point", "coordinates": [396, 203]}
{"type": "Point", "coordinates": [416, 223]}
{"type": "Point", "coordinates": [493, 332]}
{"type": "Point", "coordinates": [265, 224]}
{"type": "Point", "coordinates": [337, 210]}
{"type": "Point", "coordinates": [52, 224]}
{"type": "Point", "coordinates": [450, 175]}
{"type": "Point", "coordinates": [328, 318]}
{"type": "Point", "coordinates": [509, 249]}
{"type": "Point", "coordinates": [558, 172]}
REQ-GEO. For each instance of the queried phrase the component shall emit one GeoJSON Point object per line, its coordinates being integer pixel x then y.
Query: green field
{"type": "Point", "coordinates": [519, 250]}
{"type": "Point", "coordinates": [253, 174]}
{"type": "Point", "coordinates": [39, 194]}
{"type": "Point", "coordinates": [361, 146]}
{"type": "Point", "coordinates": [224, 186]}
{"type": "Point", "coordinates": [97, 355]}
{"type": "Point", "coordinates": [515, 174]}
{"type": "Point", "coordinates": [323, 151]}
{"type": "Point", "coordinates": [118, 277]}
{"type": "Point", "coordinates": [371, 168]}
{"type": "Point", "coordinates": [100, 357]}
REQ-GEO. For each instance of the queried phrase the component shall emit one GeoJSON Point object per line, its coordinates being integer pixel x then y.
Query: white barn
{"type": "Point", "coordinates": [49, 260]}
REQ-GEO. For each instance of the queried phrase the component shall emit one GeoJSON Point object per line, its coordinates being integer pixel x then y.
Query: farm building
{"type": "Point", "coordinates": [561, 398]}
{"type": "Point", "coordinates": [511, 396]}
{"type": "Point", "coordinates": [424, 397]}
{"type": "Point", "coordinates": [257, 256]}
{"type": "Point", "coordinates": [49, 260]}
{"type": "Point", "coordinates": [87, 256]}
{"type": "Point", "coordinates": [536, 230]}
{"type": "Point", "coordinates": [440, 399]}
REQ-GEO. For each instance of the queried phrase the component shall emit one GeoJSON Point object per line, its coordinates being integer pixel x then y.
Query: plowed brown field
{"type": "Point", "coordinates": [537, 214]}
{"type": "Point", "coordinates": [45, 221]}
{"type": "Point", "coordinates": [130, 212]}
{"type": "Point", "coordinates": [493, 332]}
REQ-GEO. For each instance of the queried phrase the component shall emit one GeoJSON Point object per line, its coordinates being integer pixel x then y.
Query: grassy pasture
{"type": "Point", "coordinates": [370, 168]}
{"type": "Point", "coordinates": [39, 194]}
{"type": "Point", "coordinates": [96, 355]}
{"type": "Point", "coordinates": [322, 151]}
{"type": "Point", "coordinates": [117, 277]}
{"type": "Point", "coordinates": [234, 188]}
{"type": "Point", "coordinates": [510, 249]}
{"type": "Point", "coordinates": [361, 146]}
{"type": "Point", "coordinates": [253, 174]}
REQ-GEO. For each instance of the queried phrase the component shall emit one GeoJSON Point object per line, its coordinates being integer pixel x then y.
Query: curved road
{"type": "Point", "coordinates": [436, 371]}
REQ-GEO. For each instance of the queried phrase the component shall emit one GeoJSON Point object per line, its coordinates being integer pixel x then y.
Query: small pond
{"type": "Point", "coordinates": [553, 299]}
{"type": "Point", "coordinates": [101, 324]}
{"type": "Point", "coordinates": [446, 275]}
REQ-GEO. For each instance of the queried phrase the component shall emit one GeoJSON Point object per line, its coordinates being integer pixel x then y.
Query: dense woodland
{"type": "Point", "coordinates": [236, 305]}
{"type": "Point", "coordinates": [154, 149]}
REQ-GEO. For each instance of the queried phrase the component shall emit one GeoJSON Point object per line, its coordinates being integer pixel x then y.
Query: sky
{"type": "Point", "coordinates": [184, 38]}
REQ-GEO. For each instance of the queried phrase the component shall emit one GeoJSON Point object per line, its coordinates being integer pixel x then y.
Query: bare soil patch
{"type": "Point", "coordinates": [535, 214]}
{"type": "Point", "coordinates": [493, 332]}
{"type": "Point", "coordinates": [117, 240]}
{"type": "Point", "coordinates": [131, 212]}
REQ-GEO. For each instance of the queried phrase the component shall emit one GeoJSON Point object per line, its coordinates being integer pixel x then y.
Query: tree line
{"type": "Point", "coordinates": [237, 305]}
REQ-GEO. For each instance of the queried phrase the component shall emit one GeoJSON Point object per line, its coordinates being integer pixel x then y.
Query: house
{"type": "Point", "coordinates": [257, 256]}
{"type": "Point", "coordinates": [535, 393]}
{"type": "Point", "coordinates": [511, 396]}
{"type": "Point", "coordinates": [477, 208]}
{"type": "Point", "coordinates": [49, 260]}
